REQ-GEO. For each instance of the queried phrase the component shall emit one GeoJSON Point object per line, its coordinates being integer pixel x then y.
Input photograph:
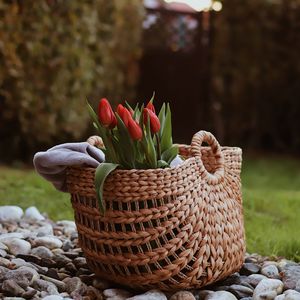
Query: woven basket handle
{"type": "Point", "coordinates": [96, 141]}
{"type": "Point", "coordinates": [198, 139]}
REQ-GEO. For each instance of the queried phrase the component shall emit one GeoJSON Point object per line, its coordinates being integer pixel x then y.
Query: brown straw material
{"type": "Point", "coordinates": [173, 228]}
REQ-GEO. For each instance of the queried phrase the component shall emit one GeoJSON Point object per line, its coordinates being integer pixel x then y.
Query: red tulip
{"type": "Point", "coordinates": [134, 129]}
{"type": "Point", "coordinates": [124, 114]}
{"type": "Point", "coordinates": [105, 114]}
{"type": "Point", "coordinates": [154, 121]}
{"type": "Point", "coordinates": [150, 106]}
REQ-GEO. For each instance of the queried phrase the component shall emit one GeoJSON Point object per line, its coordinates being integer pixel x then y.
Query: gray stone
{"type": "Point", "coordinates": [74, 286]}
{"type": "Point", "coordinates": [3, 246]}
{"type": "Point", "coordinates": [23, 276]}
{"type": "Point", "coordinates": [3, 253]}
{"type": "Point", "coordinates": [4, 262]}
{"type": "Point", "coordinates": [32, 213]}
{"type": "Point", "coordinates": [59, 284]}
{"type": "Point", "coordinates": [45, 230]}
{"type": "Point", "coordinates": [8, 236]}
{"type": "Point", "coordinates": [13, 298]}
{"type": "Point", "coordinates": [291, 295]}
{"type": "Point", "coordinates": [10, 213]}
{"type": "Point", "coordinates": [255, 279]}
{"type": "Point", "coordinates": [290, 276]}
{"type": "Point", "coordinates": [10, 287]}
{"type": "Point", "coordinates": [221, 295]}
{"type": "Point", "coordinates": [29, 293]}
{"type": "Point", "coordinates": [270, 271]}
{"type": "Point", "coordinates": [42, 252]}
{"type": "Point", "coordinates": [53, 297]}
{"type": "Point", "coordinates": [50, 242]}
{"type": "Point", "coordinates": [46, 286]}
{"type": "Point", "coordinates": [249, 268]}
{"type": "Point", "coordinates": [101, 284]}
{"type": "Point", "coordinates": [268, 288]}
{"type": "Point", "coordinates": [240, 291]}
{"type": "Point", "coordinates": [117, 294]}
{"type": "Point", "coordinates": [150, 295]}
{"type": "Point", "coordinates": [183, 295]}
{"type": "Point", "coordinates": [17, 246]}
{"type": "Point", "coordinates": [3, 272]}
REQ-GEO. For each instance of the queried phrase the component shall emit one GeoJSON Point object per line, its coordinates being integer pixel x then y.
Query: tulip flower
{"type": "Point", "coordinates": [105, 114]}
{"type": "Point", "coordinates": [154, 121]}
{"type": "Point", "coordinates": [124, 114]}
{"type": "Point", "coordinates": [134, 129]}
{"type": "Point", "coordinates": [150, 106]}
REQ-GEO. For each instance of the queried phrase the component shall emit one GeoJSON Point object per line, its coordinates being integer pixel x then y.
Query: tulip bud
{"type": "Point", "coordinates": [154, 121]}
{"type": "Point", "coordinates": [150, 106]}
{"type": "Point", "coordinates": [105, 114]}
{"type": "Point", "coordinates": [124, 114]}
{"type": "Point", "coordinates": [134, 129]}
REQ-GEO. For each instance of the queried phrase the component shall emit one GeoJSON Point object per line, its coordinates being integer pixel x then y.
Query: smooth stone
{"type": "Point", "coordinates": [284, 264]}
{"type": "Point", "coordinates": [280, 297]}
{"type": "Point", "coordinates": [42, 252]}
{"type": "Point", "coordinates": [32, 213]}
{"type": "Point", "coordinates": [23, 276]}
{"type": "Point", "coordinates": [53, 297]}
{"type": "Point", "coordinates": [117, 294]}
{"type": "Point", "coordinates": [19, 262]}
{"type": "Point", "coordinates": [268, 288]}
{"type": "Point", "coordinates": [50, 242]}
{"type": "Point", "coordinates": [80, 262]}
{"type": "Point", "coordinates": [3, 253]}
{"type": "Point", "coordinates": [3, 246]}
{"type": "Point", "coordinates": [202, 294]}
{"type": "Point", "coordinates": [150, 295]}
{"type": "Point", "coordinates": [67, 245]}
{"type": "Point", "coordinates": [13, 298]}
{"type": "Point", "coordinates": [249, 268]}
{"type": "Point", "coordinates": [270, 271]}
{"type": "Point", "coordinates": [221, 295]}
{"type": "Point", "coordinates": [10, 287]}
{"type": "Point", "coordinates": [10, 213]}
{"type": "Point", "coordinates": [59, 284]}
{"type": "Point", "coordinates": [183, 295]}
{"type": "Point", "coordinates": [46, 286]}
{"type": "Point", "coordinates": [29, 293]}
{"type": "Point", "coordinates": [255, 279]}
{"type": "Point", "coordinates": [17, 246]}
{"type": "Point", "coordinates": [8, 236]}
{"type": "Point", "coordinates": [291, 295]}
{"type": "Point", "coordinates": [290, 276]}
{"type": "Point", "coordinates": [4, 262]}
{"type": "Point", "coordinates": [74, 286]}
{"type": "Point", "coordinates": [45, 230]}
{"type": "Point", "coordinates": [3, 272]}
{"type": "Point", "coordinates": [240, 291]}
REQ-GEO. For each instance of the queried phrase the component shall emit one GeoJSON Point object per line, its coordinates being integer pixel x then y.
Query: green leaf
{"type": "Point", "coordinates": [152, 98]}
{"type": "Point", "coordinates": [166, 138]}
{"type": "Point", "coordinates": [102, 171]}
{"type": "Point", "coordinates": [169, 154]}
{"type": "Point", "coordinates": [162, 164]}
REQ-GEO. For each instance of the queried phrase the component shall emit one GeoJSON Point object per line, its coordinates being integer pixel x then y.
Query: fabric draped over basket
{"type": "Point", "coordinates": [173, 228]}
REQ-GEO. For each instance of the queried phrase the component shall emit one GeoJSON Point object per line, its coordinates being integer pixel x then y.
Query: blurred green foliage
{"type": "Point", "coordinates": [53, 56]}
{"type": "Point", "coordinates": [255, 73]}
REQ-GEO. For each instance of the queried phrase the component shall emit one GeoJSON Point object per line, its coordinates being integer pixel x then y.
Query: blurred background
{"type": "Point", "coordinates": [230, 67]}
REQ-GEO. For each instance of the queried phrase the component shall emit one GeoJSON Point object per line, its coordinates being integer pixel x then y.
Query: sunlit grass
{"type": "Point", "coordinates": [271, 193]}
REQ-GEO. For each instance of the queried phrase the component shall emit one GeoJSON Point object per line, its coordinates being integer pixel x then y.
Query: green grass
{"type": "Point", "coordinates": [271, 194]}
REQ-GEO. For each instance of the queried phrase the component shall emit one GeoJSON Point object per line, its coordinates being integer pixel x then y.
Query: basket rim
{"type": "Point", "coordinates": [184, 164]}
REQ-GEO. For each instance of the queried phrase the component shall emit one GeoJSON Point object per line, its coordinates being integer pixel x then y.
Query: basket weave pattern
{"type": "Point", "coordinates": [174, 228]}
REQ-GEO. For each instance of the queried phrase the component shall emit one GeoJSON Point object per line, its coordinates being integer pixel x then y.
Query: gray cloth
{"type": "Point", "coordinates": [52, 164]}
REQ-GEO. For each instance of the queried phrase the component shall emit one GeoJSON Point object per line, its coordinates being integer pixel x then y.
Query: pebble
{"type": "Point", "coordinates": [50, 242]}
{"type": "Point", "coordinates": [150, 295]}
{"type": "Point", "coordinates": [42, 252]}
{"type": "Point", "coordinates": [32, 213]}
{"type": "Point", "coordinates": [221, 295]}
{"type": "Point", "coordinates": [116, 294]}
{"type": "Point", "coordinates": [53, 297]}
{"type": "Point", "coordinates": [240, 291]}
{"type": "Point", "coordinates": [183, 295]}
{"type": "Point", "coordinates": [44, 230]}
{"type": "Point", "coordinates": [290, 276]}
{"type": "Point", "coordinates": [268, 289]}
{"type": "Point", "coordinates": [255, 279]}
{"type": "Point", "coordinates": [249, 268]}
{"type": "Point", "coordinates": [270, 271]}
{"type": "Point", "coordinates": [46, 286]}
{"type": "Point", "coordinates": [12, 288]}
{"type": "Point", "coordinates": [17, 246]}
{"type": "Point", "coordinates": [8, 236]}
{"type": "Point", "coordinates": [10, 213]}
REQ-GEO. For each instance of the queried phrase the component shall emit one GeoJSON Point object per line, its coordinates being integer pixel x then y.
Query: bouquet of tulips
{"type": "Point", "coordinates": [133, 139]}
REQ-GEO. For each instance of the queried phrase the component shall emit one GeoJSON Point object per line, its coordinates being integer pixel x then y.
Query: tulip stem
{"type": "Point", "coordinates": [158, 146]}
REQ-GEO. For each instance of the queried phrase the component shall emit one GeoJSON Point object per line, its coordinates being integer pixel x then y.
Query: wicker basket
{"type": "Point", "coordinates": [174, 228]}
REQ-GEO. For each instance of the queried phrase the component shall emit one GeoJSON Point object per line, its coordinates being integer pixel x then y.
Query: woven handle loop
{"type": "Point", "coordinates": [96, 141]}
{"type": "Point", "coordinates": [198, 139]}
